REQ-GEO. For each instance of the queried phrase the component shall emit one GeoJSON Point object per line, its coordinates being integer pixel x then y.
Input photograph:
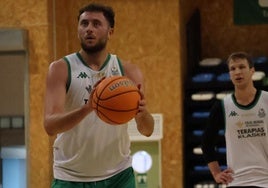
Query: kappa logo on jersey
{"type": "Point", "coordinates": [233, 113]}
{"type": "Point", "coordinates": [83, 75]}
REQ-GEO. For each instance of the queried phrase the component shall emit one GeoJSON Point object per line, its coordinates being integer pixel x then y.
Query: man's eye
{"type": "Point", "coordinates": [84, 23]}
{"type": "Point", "coordinates": [96, 24]}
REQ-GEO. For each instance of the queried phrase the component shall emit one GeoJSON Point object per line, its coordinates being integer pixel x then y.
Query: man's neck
{"type": "Point", "coordinates": [245, 96]}
{"type": "Point", "coordinates": [94, 60]}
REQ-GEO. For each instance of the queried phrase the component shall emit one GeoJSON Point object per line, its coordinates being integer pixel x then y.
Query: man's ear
{"type": "Point", "coordinates": [111, 31]}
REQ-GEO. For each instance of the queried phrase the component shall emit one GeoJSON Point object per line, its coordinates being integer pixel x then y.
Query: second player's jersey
{"type": "Point", "coordinates": [247, 140]}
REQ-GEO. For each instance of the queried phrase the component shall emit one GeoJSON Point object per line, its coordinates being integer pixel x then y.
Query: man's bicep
{"type": "Point", "coordinates": [55, 88]}
{"type": "Point", "coordinates": [133, 72]}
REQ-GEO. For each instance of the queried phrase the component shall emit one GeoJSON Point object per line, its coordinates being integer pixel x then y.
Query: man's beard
{"type": "Point", "coordinates": [93, 49]}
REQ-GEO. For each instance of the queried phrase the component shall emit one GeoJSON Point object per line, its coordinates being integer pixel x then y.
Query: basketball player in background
{"type": "Point", "coordinates": [244, 117]}
{"type": "Point", "coordinates": [87, 151]}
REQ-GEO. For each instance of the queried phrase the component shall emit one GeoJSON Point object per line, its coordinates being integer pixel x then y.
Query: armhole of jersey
{"type": "Point", "coordinates": [120, 66]}
{"type": "Point", "coordinates": [223, 113]}
{"type": "Point", "coordinates": [69, 74]}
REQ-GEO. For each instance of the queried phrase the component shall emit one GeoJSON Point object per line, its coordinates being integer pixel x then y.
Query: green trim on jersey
{"type": "Point", "coordinates": [249, 106]}
{"type": "Point", "coordinates": [104, 64]}
{"type": "Point", "coordinates": [121, 66]}
{"type": "Point", "coordinates": [81, 59]}
{"type": "Point", "coordinates": [106, 61]}
{"type": "Point", "coordinates": [69, 74]}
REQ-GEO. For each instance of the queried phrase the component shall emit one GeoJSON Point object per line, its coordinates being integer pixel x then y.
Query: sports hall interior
{"type": "Point", "coordinates": [149, 33]}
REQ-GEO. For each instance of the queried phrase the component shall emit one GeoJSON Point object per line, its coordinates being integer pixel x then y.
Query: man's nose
{"type": "Point", "coordinates": [89, 27]}
{"type": "Point", "coordinates": [237, 71]}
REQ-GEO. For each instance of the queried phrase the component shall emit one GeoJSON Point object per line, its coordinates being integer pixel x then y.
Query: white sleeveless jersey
{"type": "Point", "coordinates": [93, 150]}
{"type": "Point", "coordinates": [247, 141]}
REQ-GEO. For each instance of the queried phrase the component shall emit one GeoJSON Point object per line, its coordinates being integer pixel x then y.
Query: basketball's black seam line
{"type": "Point", "coordinates": [97, 102]}
{"type": "Point", "coordinates": [112, 121]}
{"type": "Point", "coordinates": [112, 109]}
{"type": "Point", "coordinates": [103, 99]}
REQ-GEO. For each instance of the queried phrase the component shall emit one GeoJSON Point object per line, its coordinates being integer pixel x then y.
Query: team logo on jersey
{"type": "Point", "coordinates": [83, 75]}
{"type": "Point", "coordinates": [89, 88]}
{"type": "Point", "coordinates": [261, 113]}
{"type": "Point", "coordinates": [239, 124]}
{"type": "Point", "coordinates": [114, 71]}
{"type": "Point", "coordinates": [100, 75]}
{"type": "Point", "coordinates": [233, 114]}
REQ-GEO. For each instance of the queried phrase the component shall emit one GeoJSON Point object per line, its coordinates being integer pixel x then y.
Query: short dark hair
{"type": "Point", "coordinates": [95, 7]}
{"type": "Point", "coordinates": [241, 55]}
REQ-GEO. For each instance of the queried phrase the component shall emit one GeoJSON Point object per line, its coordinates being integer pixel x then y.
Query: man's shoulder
{"type": "Point", "coordinates": [74, 54]}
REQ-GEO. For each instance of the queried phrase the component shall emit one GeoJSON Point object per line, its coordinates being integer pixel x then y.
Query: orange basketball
{"type": "Point", "coordinates": [116, 100]}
